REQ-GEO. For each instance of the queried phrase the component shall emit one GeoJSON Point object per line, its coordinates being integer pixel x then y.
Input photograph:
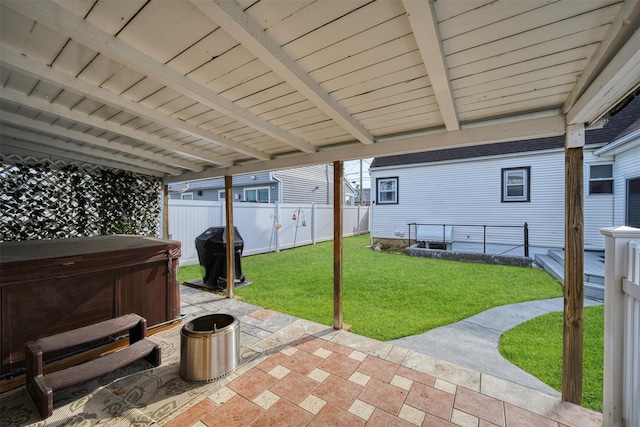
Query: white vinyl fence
{"type": "Point", "coordinates": [257, 223]}
{"type": "Point", "coordinates": [621, 394]}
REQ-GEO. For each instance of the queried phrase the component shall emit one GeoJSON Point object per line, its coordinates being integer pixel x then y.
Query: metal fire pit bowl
{"type": "Point", "coordinates": [209, 347]}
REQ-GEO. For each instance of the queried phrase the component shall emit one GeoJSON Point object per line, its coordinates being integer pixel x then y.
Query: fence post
{"type": "Point", "coordinates": [165, 212]}
{"type": "Point", "coordinates": [526, 239]}
{"type": "Point", "coordinates": [313, 223]}
{"type": "Point", "coordinates": [614, 323]}
{"type": "Point", "coordinates": [277, 230]}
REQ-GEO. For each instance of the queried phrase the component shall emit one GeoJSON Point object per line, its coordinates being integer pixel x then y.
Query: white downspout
{"type": "Point", "coordinates": [275, 178]}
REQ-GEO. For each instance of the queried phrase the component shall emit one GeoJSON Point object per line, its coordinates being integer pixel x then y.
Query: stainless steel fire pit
{"type": "Point", "coordinates": [209, 347]}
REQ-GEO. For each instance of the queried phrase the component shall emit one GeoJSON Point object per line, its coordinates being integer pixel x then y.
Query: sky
{"type": "Point", "coordinates": [352, 172]}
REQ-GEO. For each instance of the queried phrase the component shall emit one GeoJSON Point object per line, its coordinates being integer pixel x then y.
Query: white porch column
{"type": "Point", "coordinates": [614, 323]}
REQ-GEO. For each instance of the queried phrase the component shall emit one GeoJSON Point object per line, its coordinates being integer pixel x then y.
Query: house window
{"type": "Point", "coordinates": [186, 196]}
{"type": "Point", "coordinates": [515, 184]}
{"type": "Point", "coordinates": [387, 191]}
{"type": "Point", "coordinates": [601, 178]}
{"type": "Point", "coordinates": [257, 195]}
{"type": "Point", "coordinates": [221, 195]}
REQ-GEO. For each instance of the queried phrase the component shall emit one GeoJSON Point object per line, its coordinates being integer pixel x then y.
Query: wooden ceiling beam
{"type": "Point", "coordinates": [33, 149]}
{"type": "Point", "coordinates": [621, 35]}
{"type": "Point", "coordinates": [91, 154]}
{"type": "Point", "coordinates": [67, 23]}
{"type": "Point", "coordinates": [233, 20]}
{"type": "Point", "coordinates": [21, 121]}
{"type": "Point", "coordinates": [425, 30]}
{"type": "Point", "coordinates": [527, 127]}
{"type": "Point", "coordinates": [18, 98]}
{"type": "Point", "coordinates": [620, 77]}
{"type": "Point", "coordinates": [40, 71]}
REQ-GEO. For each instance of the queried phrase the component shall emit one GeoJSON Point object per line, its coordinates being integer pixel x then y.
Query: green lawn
{"type": "Point", "coordinates": [385, 295]}
{"type": "Point", "coordinates": [536, 347]}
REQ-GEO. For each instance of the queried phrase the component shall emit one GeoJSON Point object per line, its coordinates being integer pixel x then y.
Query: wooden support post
{"type": "Point", "coordinates": [165, 213]}
{"type": "Point", "coordinates": [573, 266]}
{"type": "Point", "coordinates": [338, 192]}
{"type": "Point", "coordinates": [231, 273]}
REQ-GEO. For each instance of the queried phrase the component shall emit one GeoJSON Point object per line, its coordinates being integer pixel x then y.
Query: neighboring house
{"type": "Point", "coordinates": [510, 184]}
{"type": "Point", "coordinates": [625, 151]}
{"type": "Point", "coordinates": [366, 192]}
{"type": "Point", "coordinates": [309, 184]}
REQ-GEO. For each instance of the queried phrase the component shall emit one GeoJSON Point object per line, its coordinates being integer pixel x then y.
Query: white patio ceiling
{"type": "Point", "coordinates": [195, 89]}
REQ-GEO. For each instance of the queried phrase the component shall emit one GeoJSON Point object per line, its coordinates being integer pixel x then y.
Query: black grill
{"type": "Point", "coordinates": [212, 255]}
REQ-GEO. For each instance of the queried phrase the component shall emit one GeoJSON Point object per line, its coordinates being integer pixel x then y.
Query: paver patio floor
{"type": "Point", "coordinates": [299, 373]}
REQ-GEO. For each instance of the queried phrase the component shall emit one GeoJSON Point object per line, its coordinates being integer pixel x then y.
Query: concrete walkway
{"type": "Point", "coordinates": [473, 342]}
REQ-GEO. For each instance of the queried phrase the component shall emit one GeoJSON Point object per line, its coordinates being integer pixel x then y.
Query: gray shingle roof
{"type": "Point", "coordinates": [632, 128]}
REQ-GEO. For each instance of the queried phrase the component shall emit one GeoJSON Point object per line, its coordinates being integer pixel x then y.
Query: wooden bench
{"type": "Point", "coordinates": [41, 386]}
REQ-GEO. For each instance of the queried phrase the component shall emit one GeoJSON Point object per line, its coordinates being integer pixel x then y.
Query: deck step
{"type": "Point", "coordinates": [557, 255]}
{"type": "Point", "coordinates": [88, 334]}
{"type": "Point", "coordinates": [592, 278]}
{"type": "Point", "coordinates": [593, 264]}
{"type": "Point", "coordinates": [594, 291]}
{"type": "Point", "coordinates": [103, 365]}
{"type": "Point", "coordinates": [552, 266]}
{"type": "Point", "coordinates": [553, 263]}
{"type": "Point", "coordinates": [41, 387]}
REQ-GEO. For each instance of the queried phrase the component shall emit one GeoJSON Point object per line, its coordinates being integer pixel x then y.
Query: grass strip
{"type": "Point", "coordinates": [536, 347]}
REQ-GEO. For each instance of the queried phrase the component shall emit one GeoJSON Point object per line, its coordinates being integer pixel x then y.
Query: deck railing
{"type": "Point", "coordinates": [498, 231]}
{"type": "Point", "coordinates": [621, 392]}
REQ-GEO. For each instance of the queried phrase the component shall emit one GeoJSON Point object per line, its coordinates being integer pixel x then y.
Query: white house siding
{"type": "Point", "coordinates": [469, 192]}
{"type": "Point", "coordinates": [298, 184]}
{"type": "Point", "coordinates": [207, 190]}
{"type": "Point", "coordinates": [598, 208]}
{"type": "Point", "coordinates": [627, 166]}
{"type": "Point", "coordinates": [258, 180]}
